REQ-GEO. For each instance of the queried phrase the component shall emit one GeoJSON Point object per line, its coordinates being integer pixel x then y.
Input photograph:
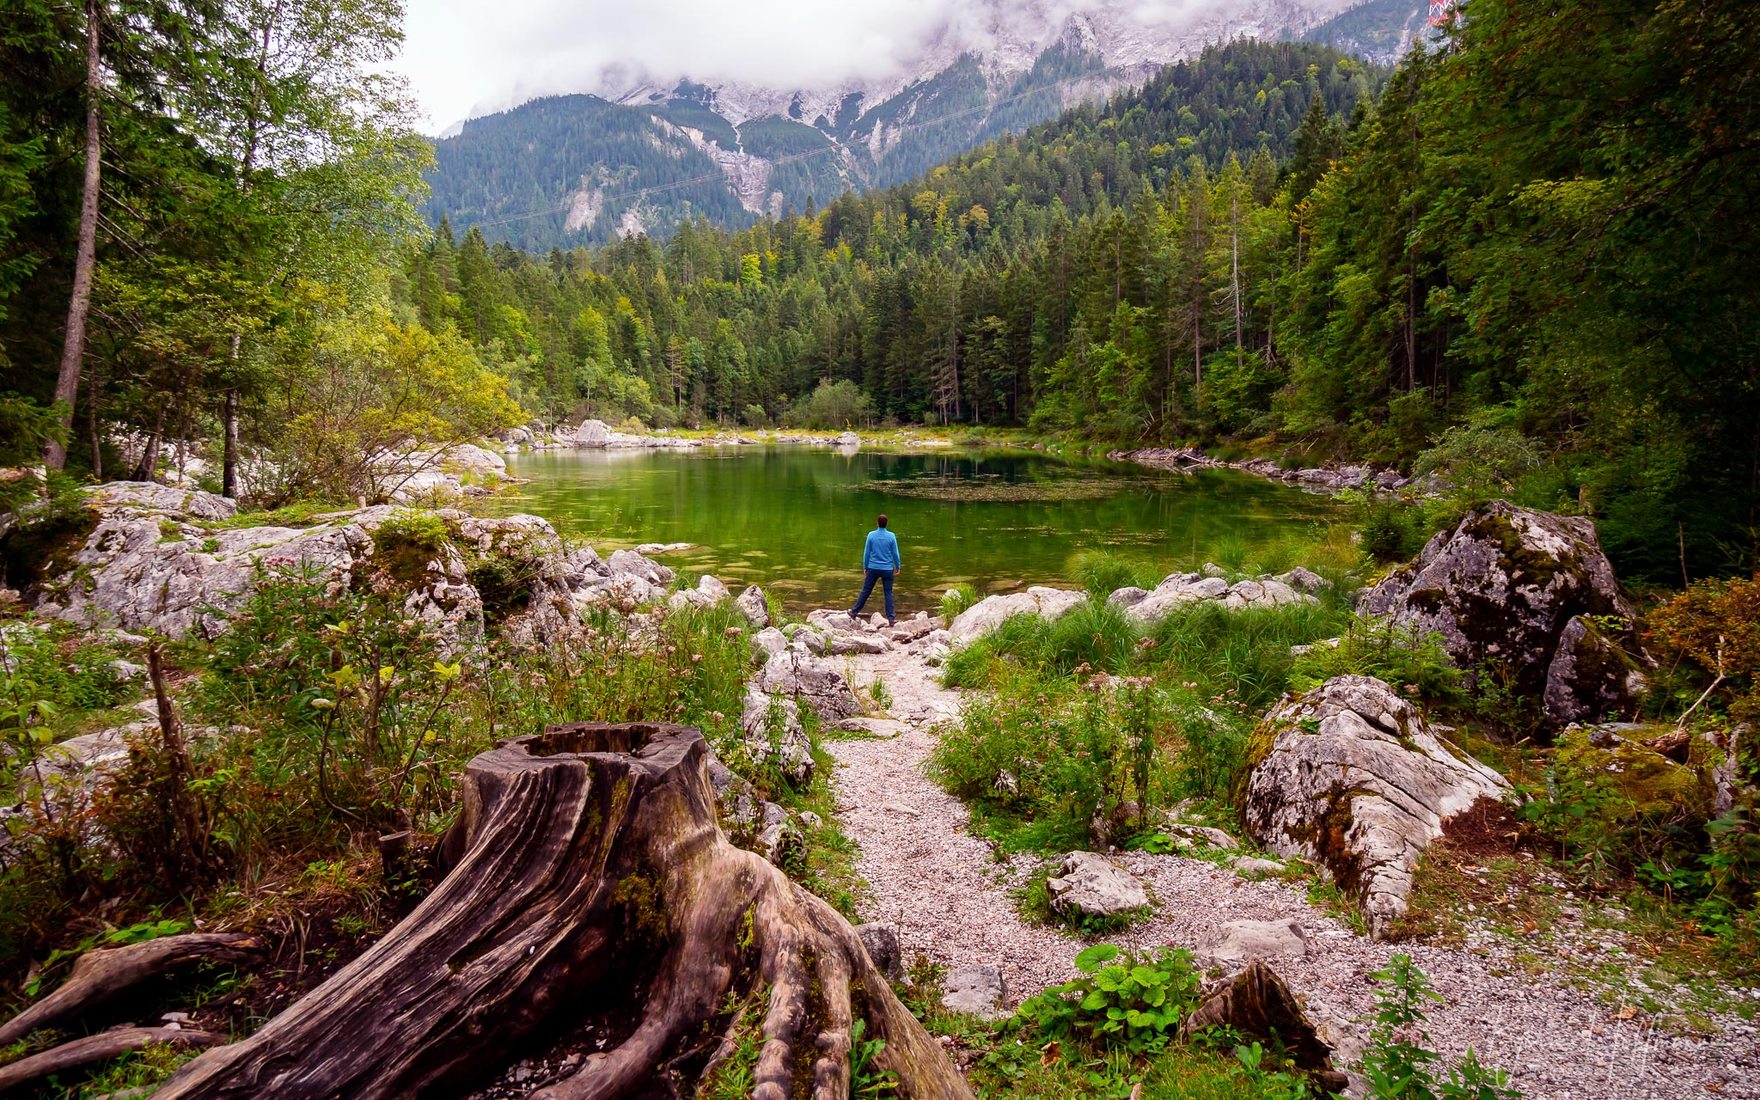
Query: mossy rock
{"type": "Point", "coordinates": [1646, 781]}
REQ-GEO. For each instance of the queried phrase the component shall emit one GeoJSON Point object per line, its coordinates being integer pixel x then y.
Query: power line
{"type": "Point", "coordinates": [792, 158]}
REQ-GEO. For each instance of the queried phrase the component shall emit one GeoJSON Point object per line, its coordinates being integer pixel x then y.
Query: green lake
{"type": "Point", "coordinates": [793, 518]}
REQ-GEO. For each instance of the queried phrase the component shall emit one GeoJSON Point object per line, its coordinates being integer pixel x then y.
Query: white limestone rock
{"type": "Point", "coordinates": [1351, 777]}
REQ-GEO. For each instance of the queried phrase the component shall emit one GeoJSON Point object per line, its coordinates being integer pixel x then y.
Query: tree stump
{"type": "Point", "coordinates": [587, 872]}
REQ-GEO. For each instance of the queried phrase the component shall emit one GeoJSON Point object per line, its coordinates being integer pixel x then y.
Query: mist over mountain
{"type": "Point", "coordinates": [635, 150]}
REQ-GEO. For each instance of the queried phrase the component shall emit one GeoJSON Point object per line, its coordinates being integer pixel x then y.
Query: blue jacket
{"type": "Point", "coordinates": [881, 551]}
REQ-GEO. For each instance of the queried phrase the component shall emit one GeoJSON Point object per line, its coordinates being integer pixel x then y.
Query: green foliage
{"type": "Point", "coordinates": [1480, 462]}
{"type": "Point", "coordinates": [1103, 572]}
{"type": "Point", "coordinates": [956, 600]}
{"type": "Point", "coordinates": [1094, 634]}
{"type": "Point", "coordinates": [24, 427]}
{"type": "Point", "coordinates": [866, 1080]}
{"type": "Point", "coordinates": [1056, 754]}
{"type": "Point", "coordinates": [1392, 530]}
{"type": "Point", "coordinates": [1397, 1063]}
{"type": "Point", "coordinates": [369, 389]}
{"type": "Point", "coordinates": [1123, 1000]}
{"type": "Point", "coordinates": [1386, 650]}
{"type": "Point", "coordinates": [48, 677]}
{"type": "Point", "coordinates": [833, 405]}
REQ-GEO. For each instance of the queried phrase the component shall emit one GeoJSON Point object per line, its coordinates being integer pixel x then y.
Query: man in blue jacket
{"type": "Point", "coordinates": [881, 563]}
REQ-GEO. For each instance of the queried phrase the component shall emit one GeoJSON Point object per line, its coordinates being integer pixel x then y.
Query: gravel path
{"type": "Point", "coordinates": [949, 895]}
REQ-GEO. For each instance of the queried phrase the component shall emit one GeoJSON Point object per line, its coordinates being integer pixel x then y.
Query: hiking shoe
{"type": "Point", "coordinates": [853, 617]}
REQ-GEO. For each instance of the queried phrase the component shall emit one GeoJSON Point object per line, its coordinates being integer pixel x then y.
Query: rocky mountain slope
{"type": "Point", "coordinates": [639, 153]}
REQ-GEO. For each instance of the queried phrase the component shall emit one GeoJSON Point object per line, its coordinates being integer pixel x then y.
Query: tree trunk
{"type": "Point", "coordinates": [92, 392]}
{"type": "Point", "coordinates": [590, 886]}
{"type": "Point", "coordinates": [73, 347]}
{"type": "Point", "coordinates": [229, 450]}
{"type": "Point", "coordinates": [147, 468]}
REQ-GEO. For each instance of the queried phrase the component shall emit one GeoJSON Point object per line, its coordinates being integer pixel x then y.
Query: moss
{"type": "Point", "coordinates": [643, 902]}
{"type": "Point", "coordinates": [1526, 565]}
{"type": "Point", "coordinates": [1645, 782]}
{"type": "Point", "coordinates": [406, 542]}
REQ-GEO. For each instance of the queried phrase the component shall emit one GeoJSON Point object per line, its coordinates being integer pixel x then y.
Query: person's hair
{"type": "Point", "coordinates": [881, 521]}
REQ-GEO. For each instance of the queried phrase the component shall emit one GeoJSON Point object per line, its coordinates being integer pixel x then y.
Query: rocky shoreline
{"type": "Point", "coordinates": [1318, 479]}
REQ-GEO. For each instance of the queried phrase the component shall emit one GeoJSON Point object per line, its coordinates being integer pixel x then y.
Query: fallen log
{"type": "Point", "coordinates": [587, 870]}
{"type": "Point", "coordinates": [93, 1049]}
{"type": "Point", "coordinates": [103, 975]}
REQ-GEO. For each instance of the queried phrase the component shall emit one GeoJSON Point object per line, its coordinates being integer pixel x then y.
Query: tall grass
{"type": "Point", "coordinates": [1242, 656]}
{"type": "Point", "coordinates": [1102, 572]}
{"type": "Point", "coordinates": [1050, 756]}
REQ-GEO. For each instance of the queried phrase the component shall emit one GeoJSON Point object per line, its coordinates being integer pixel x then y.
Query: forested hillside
{"type": "Point", "coordinates": [1545, 291]}
{"type": "Point", "coordinates": [1380, 30]}
{"type": "Point", "coordinates": [578, 169]}
{"type": "Point", "coordinates": [713, 325]}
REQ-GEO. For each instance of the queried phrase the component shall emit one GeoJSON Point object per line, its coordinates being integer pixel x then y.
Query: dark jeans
{"type": "Point", "coordinates": [884, 576]}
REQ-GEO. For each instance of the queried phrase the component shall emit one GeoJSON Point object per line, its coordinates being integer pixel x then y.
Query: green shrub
{"type": "Point", "coordinates": [1122, 1000]}
{"type": "Point", "coordinates": [1398, 1064]}
{"type": "Point", "coordinates": [1391, 530]}
{"type": "Point", "coordinates": [1056, 756]}
{"type": "Point", "coordinates": [1239, 657]}
{"type": "Point", "coordinates": [956, 600]}
{"type": "Point", "coordinates": [1400, 655]}
{"type": "Point", "coordinates": [1094, 633]}
{"type": "Point", "coordinates": [46, 679]}
{"type": "Point", "coordinates": [1212, 751]}
{"type": "Point", "coordinates": [833, 405]}
{"type": "Point", "coordinates": [1103, 572]}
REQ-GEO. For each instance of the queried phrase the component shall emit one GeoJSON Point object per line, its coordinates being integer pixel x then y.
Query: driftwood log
{"type": "Point", "coordinates": [588, 872]}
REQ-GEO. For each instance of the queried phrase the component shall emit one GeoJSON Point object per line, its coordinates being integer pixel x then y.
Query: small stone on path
{"type": "Point", "coordinates": [1089, 885]}
{"type": "Point", "coordinates": [975, 990]}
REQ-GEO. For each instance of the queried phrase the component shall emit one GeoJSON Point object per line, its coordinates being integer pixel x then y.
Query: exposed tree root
{"type": "Point", "coordinates": [93, 1049]}
{"type": "Point", "coordinates": [103, 975]}
{"type": "Point", "coordinates": [588, 872]}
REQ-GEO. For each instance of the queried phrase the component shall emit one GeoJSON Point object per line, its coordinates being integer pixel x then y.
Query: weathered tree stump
{"type": "Point", "coordinates": [587, 870]}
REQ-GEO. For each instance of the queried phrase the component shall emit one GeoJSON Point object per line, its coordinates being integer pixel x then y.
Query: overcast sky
{"type": "Point", "coordinates": [466, 57]}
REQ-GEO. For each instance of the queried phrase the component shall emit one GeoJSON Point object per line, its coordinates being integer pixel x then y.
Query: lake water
{"type": "Point", "coordinates": [793, 518]}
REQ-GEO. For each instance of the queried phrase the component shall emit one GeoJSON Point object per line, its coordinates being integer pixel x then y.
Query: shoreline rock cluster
{"type": "Point", "coordinates": [1141, 605]}
{"type": "Point", "coordinates": [1319, 479]}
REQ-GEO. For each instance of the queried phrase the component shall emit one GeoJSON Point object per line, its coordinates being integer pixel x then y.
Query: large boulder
{"type": "Point", "coordinates": [1350, 776]}
{"type": "Point", "coordinates": [150, 563]}
{"type": "Point", "coordinates": [1183, 589]}
{"type": "Point", "coordinates": [1531, 594]}
{"type": "Point", "coordinates": [992, 611]}
{"type": "Point", "coordinates": [798, 674]}
{"type": "Point", "coordinates": [593, 433]}
{"type": "Point", "coordinates": [1240, 940]}
{"type": "Point", "coordinates": [150, 497]}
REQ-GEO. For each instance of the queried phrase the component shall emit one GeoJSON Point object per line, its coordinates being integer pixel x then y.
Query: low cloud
{"type": "Point", "coordinates": [470, 57]}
